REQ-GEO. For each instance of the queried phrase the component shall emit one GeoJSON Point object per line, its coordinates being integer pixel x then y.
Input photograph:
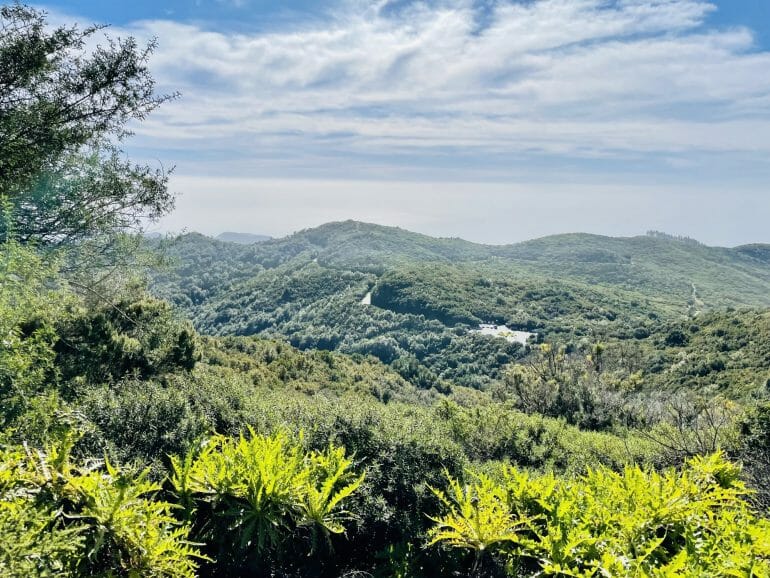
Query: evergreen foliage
{"type": "Point", "coordinates": [65, 105]}
{"type": "Point", "coordinates": [308, 433]}
{"type": "Point", "coordinates": [693, 522]}
{"type": "Point", "coordinates": [32, 301]}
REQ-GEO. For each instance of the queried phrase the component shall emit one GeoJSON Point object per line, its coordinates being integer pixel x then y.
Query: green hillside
{"type": "Point", "coordinates": [209, 418]}
{"type": "Point", "coordinates": [654, 265]}
{"type": "Point", "coordinates": [326, 405]}
{"type": "Point", "coordinates": [428, 294]}
{"type": "Point", "coordinates": [657, 266]}
{"type": "Point", "coordinates": [242, 238]}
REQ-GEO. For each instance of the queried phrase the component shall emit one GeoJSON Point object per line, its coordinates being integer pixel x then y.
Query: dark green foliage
{"type": "Point", "coordinates": [676, 339]}
{"type": "Point", "coordinates": [31, 303]}
{"type": "Point", "coordinates": [333, 443]}
{"type": "Point", "coordinates": [726, 352]}
{"type": "Point", "coordinates": [62, 106]}
{"type": "Point", "coordinates": [473, 294]}
{"type": "Point", "coordinates": [754, 452]}
{"type": "Point", "coordinates": [139, 338]}
{"type": "Point", "coordinates": [140, 421]}
{"type": "Point", "coordinates": [657, 273]}
{"type": "Point", "coordinates": [143, 386]}
{"type": "Point", "coordinates": [428, 293]}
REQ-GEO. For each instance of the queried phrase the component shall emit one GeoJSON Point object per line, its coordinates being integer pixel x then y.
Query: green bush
{"type": "Point", "coordinates": [31, 302]}
{"type": "Point", "coordinates": [59, 519]}
{"type": "Point", "coordinates": [140, 337]}
{"type": "Point", "coordinates": [252, 498]}
{"type": "Point", "coordinates": [693, 522]}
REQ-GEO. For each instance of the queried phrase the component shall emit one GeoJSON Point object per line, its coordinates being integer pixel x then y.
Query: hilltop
{"type": "Point", "coordinates": [242, 238]}
{"type": "Point", "coordinates": [354, 400]}
{"type": "Point", "coordinates": [679, 271]}
{"type": "Point", "coordinates": [427, 294]}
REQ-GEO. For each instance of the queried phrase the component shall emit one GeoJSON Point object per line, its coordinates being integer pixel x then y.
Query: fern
{"type": "Point", "coordinates": [59, 519]}
{"type": "Point", "coordinates": [693, 522]}
{"type": "Point", "coordinates": [257, 490]}
{"type": "Point", "coordinates": [330, 483]}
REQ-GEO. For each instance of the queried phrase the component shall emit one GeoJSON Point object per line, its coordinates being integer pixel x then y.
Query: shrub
{"type": "Point", "coordinates": [134, 337]}
{"type": "Point", "coordinates": [59, 519]}
{"type": "Point", "coordinates": [248, 496]}
{"type": "Point", "coordinates": [694, 522]}
{"type": "Point", "coordinates": [31, 302]}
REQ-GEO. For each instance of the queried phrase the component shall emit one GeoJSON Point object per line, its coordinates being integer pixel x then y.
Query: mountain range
{"type": "Point", "coordinates": [424, 296]}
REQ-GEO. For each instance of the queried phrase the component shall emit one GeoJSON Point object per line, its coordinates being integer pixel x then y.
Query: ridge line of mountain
{"type": "Point", "coordinates": [760, 249]}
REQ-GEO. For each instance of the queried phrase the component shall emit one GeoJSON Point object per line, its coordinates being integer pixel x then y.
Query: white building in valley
{"type": "Point", "coordinates": [506, 333]}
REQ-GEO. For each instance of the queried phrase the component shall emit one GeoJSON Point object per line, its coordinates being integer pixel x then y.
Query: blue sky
{"type": "Point", "coordinates": [493, 120]}
{"type": "Point", "coordinates": [266, 14]}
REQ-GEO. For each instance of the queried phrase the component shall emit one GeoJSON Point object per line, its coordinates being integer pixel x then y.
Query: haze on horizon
{"type": "Point", "coordinates": [491, 120]}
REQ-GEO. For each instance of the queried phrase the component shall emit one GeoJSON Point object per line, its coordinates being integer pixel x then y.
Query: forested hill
{"type": "Point", "coordinates": [353, 244]}
{"type": "Point", "coordinates": [428, 294]}
{"type": "Point", "coordinates": [391, 436]}
{"type": "Point", "coordinates": [242, 238]}
{"type": "Point", "coordinates": [680, 270]}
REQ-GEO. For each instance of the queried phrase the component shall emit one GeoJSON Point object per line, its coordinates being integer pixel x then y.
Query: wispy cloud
{"type": "Point", "coordinates": [492, 119]}
{"type": "Point", "coordinates": [580, 78]}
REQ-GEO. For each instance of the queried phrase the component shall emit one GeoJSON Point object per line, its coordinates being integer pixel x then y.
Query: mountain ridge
{"type": "Point", "coordinates": [242, 238]}
{"type": "Point", "coordinates": [362, 226]}
{"type": "Point", "coordinates": [426, 294]}
{"type": "Point", "coordinates": [671, 276]}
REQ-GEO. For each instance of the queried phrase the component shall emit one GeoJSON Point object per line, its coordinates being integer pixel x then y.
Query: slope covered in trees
{"type": "Point", "coordinates": [150, 391]}
{"type": "Point", "coordinates": [666, 275]}
{"type": "Point", "coordinates": [428, 294]}
{"type": "Point", "coordinates": [384, 439]}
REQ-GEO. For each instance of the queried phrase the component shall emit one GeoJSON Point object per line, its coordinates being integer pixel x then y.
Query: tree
{"type": "Point", "coordinates": [31, 303]}
{"type": "Point", "coordinates": [64, 109]}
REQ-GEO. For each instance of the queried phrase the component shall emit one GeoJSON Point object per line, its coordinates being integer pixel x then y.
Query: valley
{"type": "Point", "coordinates": [428, 297]}
{"type": "Point", "coordinates": [355, 400]}
{"type": "Point", "coordinates": [349, 366]}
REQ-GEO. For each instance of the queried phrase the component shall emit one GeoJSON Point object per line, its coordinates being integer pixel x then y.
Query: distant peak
{"type": "Point", "coordinates": [242, 238]}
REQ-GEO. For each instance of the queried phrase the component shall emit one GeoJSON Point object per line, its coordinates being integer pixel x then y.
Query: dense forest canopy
{"type": "Point", "coordinates": [320, 405]}
{"type": "Point", "coordinates": [427, 295]}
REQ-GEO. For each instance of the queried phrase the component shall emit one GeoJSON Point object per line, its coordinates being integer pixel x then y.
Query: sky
{"type": "Point", "coordinates": [491, 120]}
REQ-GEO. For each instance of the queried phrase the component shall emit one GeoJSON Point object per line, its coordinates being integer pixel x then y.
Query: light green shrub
{"type": "Point", "coordinates": [59, 519]}
{"type": "Point", "coordinates": [692, 522]}
{"type": "Point", "coordinates": [255, 492]}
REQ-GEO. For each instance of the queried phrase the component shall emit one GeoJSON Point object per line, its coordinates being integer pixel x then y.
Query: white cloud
{"type": "Point", "coordinates": [611, 116]}
{"type": "Point", "coordinates": [562, 77]}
